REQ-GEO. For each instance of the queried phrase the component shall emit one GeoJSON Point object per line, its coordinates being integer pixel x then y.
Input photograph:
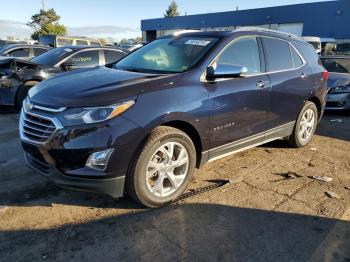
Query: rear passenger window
{"type": "Point", "coordinates": [243, 52]}
{"type": "Point", "coordinates": [112, 56]}
{"type": "Point", "coordinates": [86, 59]}
{"type": "Point", "coordinates": [278, 54]}
{"type": "Point", "coordinates": [297, 61]}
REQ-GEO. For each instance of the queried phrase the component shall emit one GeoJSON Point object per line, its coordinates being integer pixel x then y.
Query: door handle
{"type": "Point", "coordinates": [262, 84]}
{"type": "Point", "coordinates": [303, 76]}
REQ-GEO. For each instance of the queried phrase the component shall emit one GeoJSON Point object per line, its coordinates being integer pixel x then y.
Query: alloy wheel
{"type": "Point", "coordinates": [167, 169]}
{"type": "Point", "coordinates": [307, 125]}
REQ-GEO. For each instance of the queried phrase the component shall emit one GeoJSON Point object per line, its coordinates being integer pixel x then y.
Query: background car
{"type": "Point", "coordinates": [17, 77]}
{"type": "Point", "coordinates": [59, 41]}
{"type": "Point", "coordinates": [23, 51]}
{"type": "Point", "coordinates": [343, 49]}
{"type": "Point", "coordinates": [338, 97]}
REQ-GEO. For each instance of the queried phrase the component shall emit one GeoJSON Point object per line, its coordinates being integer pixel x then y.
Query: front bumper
{"type": "Point", "coordinates": [62, 157]}
{"type": "Point", "coordinates": [338, 101]}
{"type": "Point", "coordinates": [113, 186]}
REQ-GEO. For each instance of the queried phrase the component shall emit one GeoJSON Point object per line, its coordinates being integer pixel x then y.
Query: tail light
{"type": "Point", "coordinates": [325, 75]}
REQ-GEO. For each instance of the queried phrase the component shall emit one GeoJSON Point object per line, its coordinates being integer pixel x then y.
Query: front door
{"type": "Point", "coordinates": [238, 105]}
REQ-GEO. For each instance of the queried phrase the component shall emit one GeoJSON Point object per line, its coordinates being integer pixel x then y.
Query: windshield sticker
{"type": "Point", "coordinates": [197, 42]}
{"type": "Point", "coordinates": [68, 50]}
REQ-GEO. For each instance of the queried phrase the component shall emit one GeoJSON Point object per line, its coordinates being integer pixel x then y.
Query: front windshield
{"type": "Point", "coordinates": [338, 65]}
{"type": "Point", "coordinates": [168, 55]}
{"type": "Point", "coordinates": [52, 56]}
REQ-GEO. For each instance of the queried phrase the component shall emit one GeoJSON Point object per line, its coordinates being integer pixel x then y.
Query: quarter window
{"type": "Point", "coordinates": [86, 59]}
{"type": "Point", "coordinates": [242, 52]}
{"type": "Point", "coordinates": [297, 61]}
{"type": "Point", "coordinates": [278, 54]}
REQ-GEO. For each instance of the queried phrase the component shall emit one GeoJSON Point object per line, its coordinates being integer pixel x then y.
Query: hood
{"type": "Point", "coordinates": [338, 79]}
{"type": "Point", "coordinates": [16, 67]}
{"type": "Point", "coordinates": [11, 62]}
{"type": "Point", "coordinates": [93, 87]}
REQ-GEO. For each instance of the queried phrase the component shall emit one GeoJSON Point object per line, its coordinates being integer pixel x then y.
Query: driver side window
{"type": "Point", "coordinates": [243, 51]}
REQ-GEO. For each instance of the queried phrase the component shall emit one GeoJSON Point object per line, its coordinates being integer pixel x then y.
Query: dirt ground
{"type": "Point", "coordinates": [271, 210]}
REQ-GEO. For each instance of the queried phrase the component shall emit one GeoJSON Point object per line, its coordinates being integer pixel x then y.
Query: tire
{"type": "Point", "coordinates": [21, 95]}
{"type": "Point", "coordinates": [296, 139]}
{"type": "Point", "coordinates": [161, 188]}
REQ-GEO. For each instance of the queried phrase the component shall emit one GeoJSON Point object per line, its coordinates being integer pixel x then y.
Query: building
{"type": "Point", "coordinates": [329, 19]}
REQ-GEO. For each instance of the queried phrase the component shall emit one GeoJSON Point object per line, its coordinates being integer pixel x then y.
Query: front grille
{"type": "Point", "coordinates": [36, 128]}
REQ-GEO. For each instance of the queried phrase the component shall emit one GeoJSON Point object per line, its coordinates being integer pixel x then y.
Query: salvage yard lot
{"type": "Point", "coordinates": [271, 209]}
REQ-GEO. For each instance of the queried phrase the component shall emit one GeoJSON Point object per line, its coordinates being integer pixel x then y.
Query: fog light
{"type": "Point", "coordinates": [99, 160]}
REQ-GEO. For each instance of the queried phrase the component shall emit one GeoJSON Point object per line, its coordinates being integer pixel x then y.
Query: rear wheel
{"type": "Point", "coordinates": [163, 168]}
{"type": "Point", "coordinates": [305, 126]}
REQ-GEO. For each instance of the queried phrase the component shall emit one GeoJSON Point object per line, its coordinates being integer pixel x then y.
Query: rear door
{"type": "Point", "coordinates": [238, 105]}
{"type": "Point", "coordinates": [290, 81]}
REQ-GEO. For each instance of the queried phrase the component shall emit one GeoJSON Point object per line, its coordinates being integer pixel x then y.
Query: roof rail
{"type": "Point", "coordinates": [250, 28]}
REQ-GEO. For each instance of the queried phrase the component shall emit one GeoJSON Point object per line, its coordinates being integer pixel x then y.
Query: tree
{"type": "Point", "coordinates": [172, 10]}
{"type": "Point", "coordinates": [46, 22]}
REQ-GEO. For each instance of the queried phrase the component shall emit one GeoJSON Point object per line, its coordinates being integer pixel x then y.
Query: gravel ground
{"type": "Point", "coordinates": [271, 209]}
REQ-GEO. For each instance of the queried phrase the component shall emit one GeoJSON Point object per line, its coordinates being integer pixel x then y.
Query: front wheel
{"type": "Point", "coordinates": [305, 126]}
{"type": "Point", "coordinates": [163, 168]}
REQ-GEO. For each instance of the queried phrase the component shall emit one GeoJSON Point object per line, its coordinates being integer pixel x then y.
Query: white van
{"type": "Point", "coordinates": [322, 45]}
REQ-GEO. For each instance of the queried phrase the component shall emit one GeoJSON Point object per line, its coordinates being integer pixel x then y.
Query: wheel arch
{"type": "Point", "coordinates": [28, 83]}
{"type": "Point", "coordinates": [192, 132]}
{"type": "Point", "coordinates": [317, 102]}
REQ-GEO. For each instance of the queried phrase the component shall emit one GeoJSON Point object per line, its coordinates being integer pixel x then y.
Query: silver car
{"type": "Point", "coordinates": [338, 97]}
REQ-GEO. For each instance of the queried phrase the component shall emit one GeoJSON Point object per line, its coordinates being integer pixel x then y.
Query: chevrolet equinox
{"type": "Point", "coordinates": [142, 127]}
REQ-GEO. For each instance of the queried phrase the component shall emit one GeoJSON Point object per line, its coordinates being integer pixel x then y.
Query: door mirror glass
{"type": "Point", "coordinates": [226, 71]}
{"type": "Point", "coordinates": [67, 66]}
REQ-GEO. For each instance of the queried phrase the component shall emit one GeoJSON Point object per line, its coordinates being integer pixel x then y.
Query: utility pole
{"type": "Point", "coordinates": [43, 4]}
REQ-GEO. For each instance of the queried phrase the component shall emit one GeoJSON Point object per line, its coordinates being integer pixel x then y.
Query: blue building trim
{"type": "Point", "coordinates": [324, 19]}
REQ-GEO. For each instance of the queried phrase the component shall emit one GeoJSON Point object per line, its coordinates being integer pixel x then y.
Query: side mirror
{"type": "Point", "coordinates": [67, 66]}
{"type": "Point", "coordinates": [226, 71]}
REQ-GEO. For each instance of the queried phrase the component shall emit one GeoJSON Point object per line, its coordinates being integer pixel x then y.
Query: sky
{"type": "Point", "coordinates": [125, 13]}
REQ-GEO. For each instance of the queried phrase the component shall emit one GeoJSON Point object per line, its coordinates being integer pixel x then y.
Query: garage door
{"type": "Point", "coordinates": [292, 28]}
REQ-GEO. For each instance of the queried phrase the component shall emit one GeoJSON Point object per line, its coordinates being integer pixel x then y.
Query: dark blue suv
{"type": "Point", "coordinates": [143, 126]}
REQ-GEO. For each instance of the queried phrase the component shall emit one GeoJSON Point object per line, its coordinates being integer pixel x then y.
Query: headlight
{"type": "Point", "coordinates": [79, 116]}
{"type": "Point", "coordinates": [340, 89]}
